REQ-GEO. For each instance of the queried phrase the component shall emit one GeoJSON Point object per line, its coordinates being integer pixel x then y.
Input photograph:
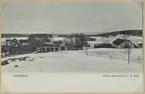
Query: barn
{"type": "Point", "coordinates": [123, 43]}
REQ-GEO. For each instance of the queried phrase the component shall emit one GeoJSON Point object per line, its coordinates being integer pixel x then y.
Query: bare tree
{"type": "Point", "coordinates": [127, 47]}
{"type": "Point", "coordinates": [86, 49]}
{"type": "Point", "coordinates": [129, 51]}
{"type": "Point", "coordinates": [81, 41]}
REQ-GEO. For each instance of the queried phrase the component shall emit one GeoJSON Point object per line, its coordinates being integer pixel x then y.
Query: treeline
{"type": "Point", "coordinates": [115, 33]}
{"type": "Point", "coordinates": [14, 35]}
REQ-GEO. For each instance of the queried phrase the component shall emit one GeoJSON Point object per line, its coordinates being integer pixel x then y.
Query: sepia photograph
{"type": "Point", "coordinates": [72, 37]}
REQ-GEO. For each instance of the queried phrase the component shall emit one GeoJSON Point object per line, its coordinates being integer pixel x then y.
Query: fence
{"type": "Point", "coordinates": [112, 55]}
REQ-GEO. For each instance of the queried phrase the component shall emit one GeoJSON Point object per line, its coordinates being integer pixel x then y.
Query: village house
{"type": "Point", "coordinates": [42, 43]}
{"type": "Point", "coordinates": [49, 48]}
{"type": "Point", "coordinates": [37, 39]}
{"type": "Point", "coordinates": [4, 50]}
{"type": "Point", "coordinates": [91, 39]}
{"type": "Point", "coordinates": [123, 43]}
{"type": "Point", "coordinates": [8, 42]}
{"type": "Point", "coordinates": [12, 42]}
{"type": "Point", "coordinates": [39, 43]}
{"type": "Point", "coordinates": [24, 42]}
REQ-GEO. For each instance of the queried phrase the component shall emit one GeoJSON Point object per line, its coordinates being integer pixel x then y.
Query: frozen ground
{"type": "Point", "coordinates": [71, 61]}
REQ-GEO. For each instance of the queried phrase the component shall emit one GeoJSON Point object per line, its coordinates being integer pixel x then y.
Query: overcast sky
{"type": "Point", "coordinates": [65, 17]}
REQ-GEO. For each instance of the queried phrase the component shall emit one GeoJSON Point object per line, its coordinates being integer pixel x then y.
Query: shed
{"type": "Point", "coordinates": [123, 43]}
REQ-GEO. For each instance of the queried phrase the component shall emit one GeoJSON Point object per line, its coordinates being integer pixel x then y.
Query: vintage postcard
{"type": "Point", "coordinates": [72, 47]}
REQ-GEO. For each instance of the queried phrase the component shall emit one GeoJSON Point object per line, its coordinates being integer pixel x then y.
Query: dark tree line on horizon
{"type": "Point", "coordinates": [114, 33]}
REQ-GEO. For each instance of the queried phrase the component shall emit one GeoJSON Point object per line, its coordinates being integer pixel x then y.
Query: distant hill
{"type": "Point", "coordinates": [123, 32]}
{"type": "Point", "coordinates": [126, 32]}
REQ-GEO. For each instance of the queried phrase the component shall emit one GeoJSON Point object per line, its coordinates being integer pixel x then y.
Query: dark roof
{"type": "Point", "coordinates": [23, 40]}
{"type": "Point", "coordinates": [119, 41]}
{"type": "Point", "coordinates": [8, 39]}
{"type": "Point", "coordinates": [47, 45]}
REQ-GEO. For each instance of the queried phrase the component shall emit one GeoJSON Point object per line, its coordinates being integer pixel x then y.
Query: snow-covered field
{"type": "Point", "coordinates": [122, 54]}
{"type": "Point", "coordinates": [74, 61]}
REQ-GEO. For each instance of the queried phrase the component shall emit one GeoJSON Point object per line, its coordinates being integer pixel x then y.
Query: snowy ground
{"type": "Point", "coordinates": [122, 54]}
{"type": "Point", "coordinates": [73, 61]}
